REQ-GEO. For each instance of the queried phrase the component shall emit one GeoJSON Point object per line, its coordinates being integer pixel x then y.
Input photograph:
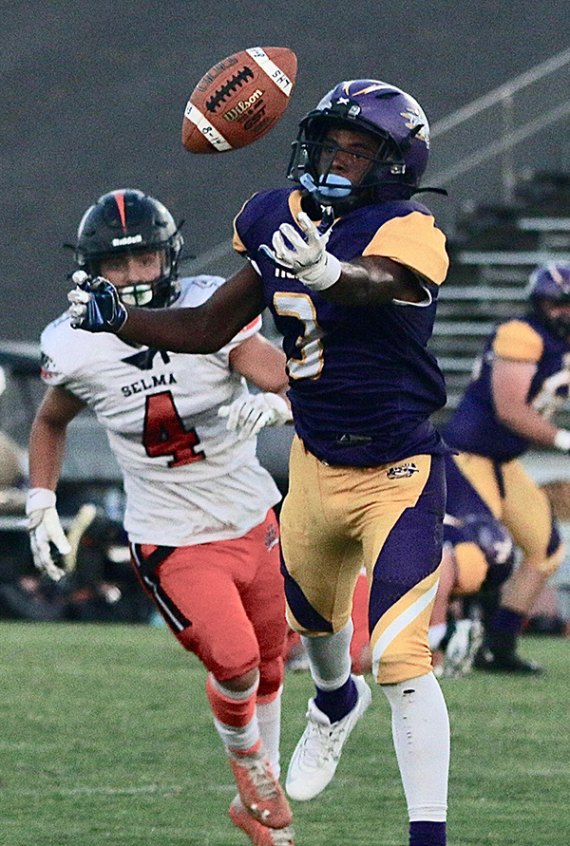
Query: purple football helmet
{"type": "Point", "coordinates": [551, 282]}
{"type": "Point", "coordinates": [393, 117]}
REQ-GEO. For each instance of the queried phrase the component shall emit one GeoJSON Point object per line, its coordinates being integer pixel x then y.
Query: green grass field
{"type": "Point", "coordinates": [106, 738]}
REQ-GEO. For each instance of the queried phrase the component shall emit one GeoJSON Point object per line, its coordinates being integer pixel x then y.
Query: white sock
{"type": "Point", "coordinates": [420, 731]}
{"type": "Point", "coordinates": [329, 657]}
{"type": "Point", "coordinates": [237, 737]}
{"type": "Point", "coordinates": [269, 719]}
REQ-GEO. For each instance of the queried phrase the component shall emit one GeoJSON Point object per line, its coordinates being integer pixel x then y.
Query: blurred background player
{"type": "Point", "coordinates": [523, 377]}
{"type": "Point", "coordinates": [199, 506]}
{"type": "Point", "coordinates": [356, 303]}
{"type": "Point", "coordinates": [98, 587]}
{"type": "Point", "coordinates": [19, 588]}
{"type": "Point", "coordinates": [12, 468]}
{"type": "Point", "coordinates": [477, 559]}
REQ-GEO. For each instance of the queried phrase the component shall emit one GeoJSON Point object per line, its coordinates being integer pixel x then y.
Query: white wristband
{"type": "Point", "coordinates": [562, 440]}
{"type": "Point", "coordinates": [39, 498]}
{"type": "Point", "coordinates": [322, 276]}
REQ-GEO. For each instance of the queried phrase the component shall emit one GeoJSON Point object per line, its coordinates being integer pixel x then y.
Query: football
{"type": "Point", "coordinates": [239, 100]}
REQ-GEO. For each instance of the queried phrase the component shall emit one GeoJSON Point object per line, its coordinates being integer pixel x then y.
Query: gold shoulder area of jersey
{"type": "Point", "coordinates": [402, 471]}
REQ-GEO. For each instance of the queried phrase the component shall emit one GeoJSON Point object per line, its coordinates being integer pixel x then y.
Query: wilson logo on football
{"type": "Point", "coordinates": [402, 471]}
{"type": "Point", "coordinates": [243, 106]}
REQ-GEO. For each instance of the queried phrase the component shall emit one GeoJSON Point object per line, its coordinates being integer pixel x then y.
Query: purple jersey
{"type": "Point", "coordinates": [362, 382]}
{"type": "Point", "coordinates": [474, 426]}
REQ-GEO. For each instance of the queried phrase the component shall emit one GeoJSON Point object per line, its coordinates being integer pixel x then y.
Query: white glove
{"type": "Point", "coordinates": [45, 529]}
{"type": "Point", "coordinates": [250, 414]}
{"type": "Point", "coordinates": [306, 258]}
{"type": "Point", "coordinates": [562, 440]}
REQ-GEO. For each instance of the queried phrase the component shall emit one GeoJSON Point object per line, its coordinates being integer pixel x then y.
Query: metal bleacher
{"type": "Point", "coordinates": [494, 251]}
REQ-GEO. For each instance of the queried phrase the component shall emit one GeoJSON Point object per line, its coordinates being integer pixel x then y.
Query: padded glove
{"type": "Point", "coordinates": [249, 415]}
{"type": "Point", "coordinates": [304, 257]}
{"type": "Point", "coordinates": [562, 440]}
{"type": "Point", "coordinates": [95, 304]}
{"type": "Point", "coordinates": [47, 538]}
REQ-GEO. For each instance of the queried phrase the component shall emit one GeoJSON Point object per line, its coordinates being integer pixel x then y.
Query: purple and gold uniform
{"type": "Point", "coordinates": [362, 381]}
{"type": "Point", "coordinates": [367, 463]}
{"type": "Point", "coordinates": [490, 450]}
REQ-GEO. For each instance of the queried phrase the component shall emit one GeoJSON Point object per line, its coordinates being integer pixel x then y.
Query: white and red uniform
{"type": "Point", "coordinates": [196, 496]}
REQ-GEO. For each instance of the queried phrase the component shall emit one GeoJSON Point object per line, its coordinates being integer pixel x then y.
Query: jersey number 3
{"type": "Point", "coordinates": [164, 433]}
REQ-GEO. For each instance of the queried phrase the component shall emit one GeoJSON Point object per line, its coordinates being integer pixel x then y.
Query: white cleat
{"type": "Point", "coordinates": [317, 753]}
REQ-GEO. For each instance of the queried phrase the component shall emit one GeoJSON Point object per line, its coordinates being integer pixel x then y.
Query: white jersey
{"type": "Point", "coordinates": [187, 479]}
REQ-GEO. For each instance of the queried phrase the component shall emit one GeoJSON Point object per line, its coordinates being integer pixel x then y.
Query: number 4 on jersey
{"type": "Point", "coordinates": [164, 433]}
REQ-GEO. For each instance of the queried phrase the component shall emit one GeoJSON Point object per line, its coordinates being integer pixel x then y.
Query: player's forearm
{"type": "Point", "coordinates": [374, 281]}
{"type": "Point", "coordinates": [204, 329]}
{"type": "Point", "coordinates": [528, 424]}
{"type": "Point", "coordinates": [178, 330]}
{"type": "Point", "coordinates": [46, 451]}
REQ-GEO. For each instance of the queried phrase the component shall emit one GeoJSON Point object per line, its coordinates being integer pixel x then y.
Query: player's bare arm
{"type": "Point", "coordinates": [373, 280]}
{"type": "Point", "coordinates": [48, 434]}
{"type": "Point", "coordinates": [47, 445]}
{"type": "Point", "coordinates": [204, 329]}
{"type": "Point", "coordinates": [511, 385]}
{"type": "Point", "coordinates": [261, 363]}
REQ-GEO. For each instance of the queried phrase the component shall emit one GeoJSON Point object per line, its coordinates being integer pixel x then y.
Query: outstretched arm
{"type": "Point", "coordinates": [204, 329]}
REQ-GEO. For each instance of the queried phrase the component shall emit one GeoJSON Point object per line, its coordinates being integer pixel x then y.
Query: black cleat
{"type": "Point", "coordinates": [508, 663]}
